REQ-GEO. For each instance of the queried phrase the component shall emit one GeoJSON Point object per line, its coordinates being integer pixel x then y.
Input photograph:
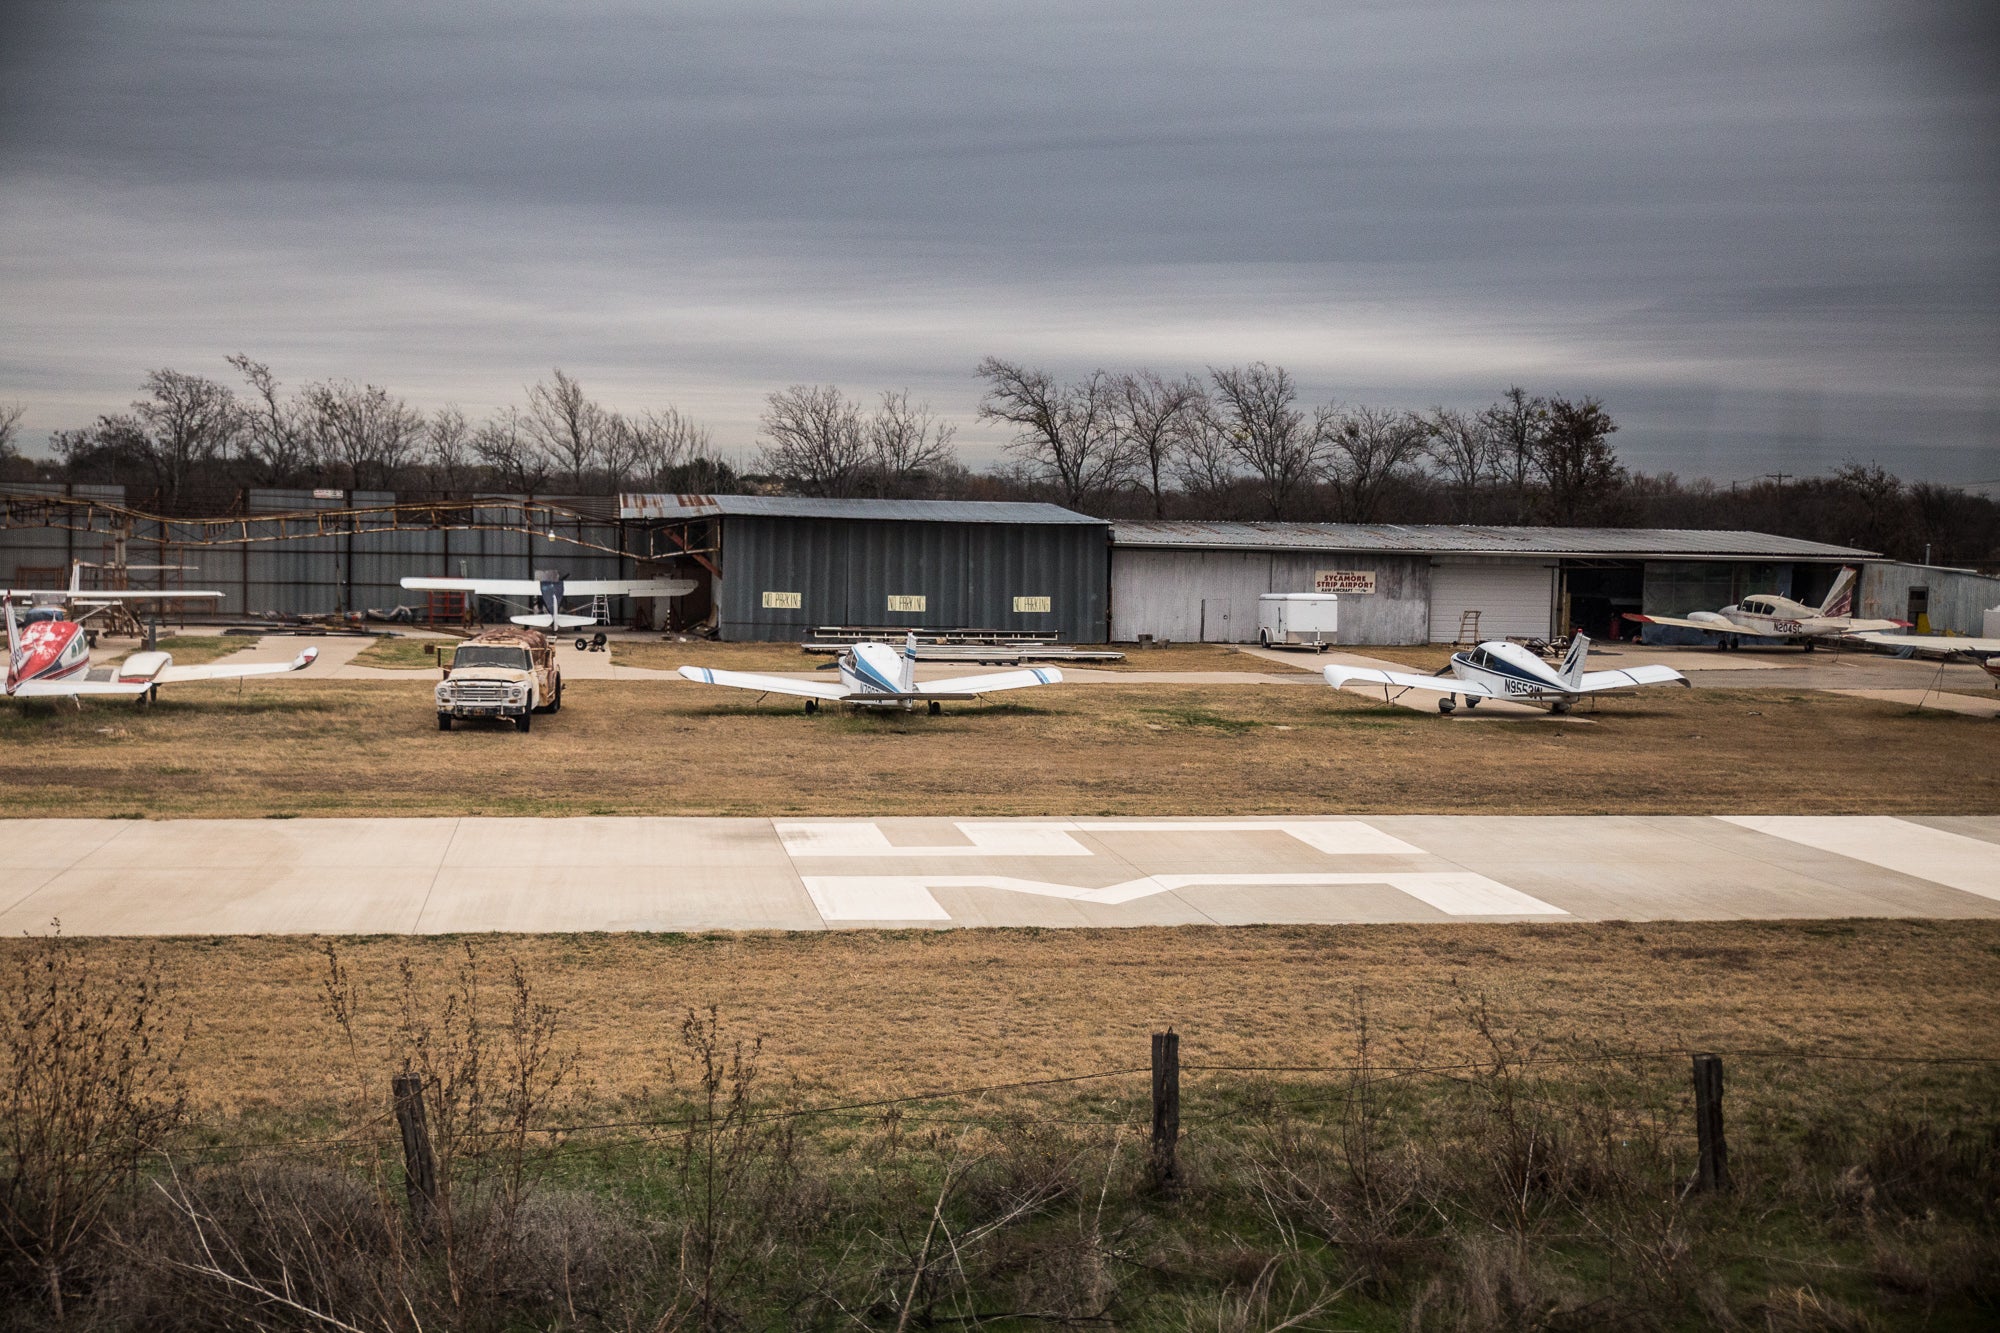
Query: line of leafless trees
{"type": "Point", "coordinates": [1238, 441]}
{"type": "Point", "coordinates": [188, 436]}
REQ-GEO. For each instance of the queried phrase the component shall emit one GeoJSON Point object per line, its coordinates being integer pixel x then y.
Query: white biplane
{"type": "Point", "coordinates": [548, 588]}
{"type": "Point", "coordinates": [1498, 669]}
{"type": "Point", "coordinates": [874, 675]}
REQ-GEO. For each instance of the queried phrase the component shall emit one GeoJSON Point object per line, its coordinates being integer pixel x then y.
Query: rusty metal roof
{"type": "Point", "coordinates": [797, 506]}
{"type": "Point", "coordinates": [1453, 539]}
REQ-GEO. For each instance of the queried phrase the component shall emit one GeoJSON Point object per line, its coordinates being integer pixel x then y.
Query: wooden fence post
{"type": "Point", "coordinates": [419, 1166]}
{"type": "Point", "coordinates": [1166, 1173]}
{"type": "Point", "coordinates": [1712, 1172]}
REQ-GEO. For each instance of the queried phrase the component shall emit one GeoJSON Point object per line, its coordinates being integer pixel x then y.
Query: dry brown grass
{"type": "Point", "coordinates": [867, 1014]}
{"type": "Point", "coordinates": [671, 747]}
{"type": "Point", "coordinates": [187, 649]}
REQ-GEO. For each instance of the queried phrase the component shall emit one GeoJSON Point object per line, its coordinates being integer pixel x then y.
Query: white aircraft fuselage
{"type": "Point", "coordinates": [1510, 671]}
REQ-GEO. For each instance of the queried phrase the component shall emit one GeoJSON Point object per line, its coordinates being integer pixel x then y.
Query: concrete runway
{"type": "Point", "coordinates": [428, 876]}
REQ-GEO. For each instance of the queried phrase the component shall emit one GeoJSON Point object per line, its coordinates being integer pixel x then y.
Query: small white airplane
{"type": "Point", "coordinates": [1769, 616]}
{"type": "Point", "coordinates": [549, 587]}
{"type": "Point", "coordinates": [1498, 669]}
{"type": "Point", "coordinates": [1986, 652]}
{"type": "Point", "coordinates": [48, 657]}
{"type": "Point", "coordinates": [873, 675]}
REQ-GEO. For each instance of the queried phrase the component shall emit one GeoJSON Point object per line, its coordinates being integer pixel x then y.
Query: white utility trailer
{"type": "Point", "coordinates": [1298, 620]}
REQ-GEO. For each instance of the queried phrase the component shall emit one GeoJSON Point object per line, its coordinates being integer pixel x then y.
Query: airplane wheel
{"type": "Point", "coordinates": [583, 645]}
{"type": "Point", "coordinates": [1810, 645]}
{"type": "Point", "coordinates": [936, 708]}
{"type": "Point", "coordinates": [812, 706]}
{"type": "Point", "coordinates": [522, 722]}
{"type": "Point", "coordinates": [1559, 708]}
{"type": "Point", "coordinates": [1471, 701]}
{"type": "Point", "coordinates": [1445, 705]}
{"type": "Point", "coordinates": [444, 721]}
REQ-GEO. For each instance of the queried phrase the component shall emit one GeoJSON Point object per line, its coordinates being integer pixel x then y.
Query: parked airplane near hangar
{"type": "Point", "coordinates": [89, 601]}
{"type": "Point", "coordinates": [872, 675]}
{"type": "Point", "coordinates": [1498, 669]}
{"type": "Point", "coordinates": [1769, 616]}
{"type": "Point", "coordinates": [549, 587]}
{"type": "Point", "coordinates": [48, 657]}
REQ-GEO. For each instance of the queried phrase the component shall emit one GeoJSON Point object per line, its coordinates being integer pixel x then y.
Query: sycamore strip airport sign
{"type": "Point", "coordinates": [1351, 581]}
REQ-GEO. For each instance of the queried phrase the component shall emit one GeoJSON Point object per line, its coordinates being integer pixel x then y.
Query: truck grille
{"type": "Point", "coordinates": [479, 692]}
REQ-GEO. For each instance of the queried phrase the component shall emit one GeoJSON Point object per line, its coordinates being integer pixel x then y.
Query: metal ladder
{"type": "Point", "coordinates": [1468, 629]}
{"type": "Point", "coordinates": [600, 609]}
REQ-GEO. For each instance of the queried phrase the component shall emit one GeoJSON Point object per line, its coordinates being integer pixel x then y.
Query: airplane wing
{"type": "Point", "coordinates": [1707, 627]}
{"type": "Point", "coordinates": [571, 587]}
{"type": "Point", "coordinates": [173, 675]}
{"type": "Point", "coordinates": [491, 587]}
{"type": "Point", "coordinates": [553, 622]}
{"type": "Point", "coordinates": [1932, 643]}
{"type": "Point", "coordinates": [68, 689]}
{"type": "Point", "coordinates": [1338, 676]}
{"type": "Point", "coordinates": [750, 680]}
{"type": "Point", "coordinates": [1638, 675]}
{"type": "Point", "coordinates": [990, 683]}
{"type": "Point", "coordinates": [1873, 625]}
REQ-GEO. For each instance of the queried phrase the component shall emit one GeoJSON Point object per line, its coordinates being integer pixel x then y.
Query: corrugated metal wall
{"type": "Point", "coordinates": [313, 575]}
{"type": "Point", "coordinates": [1185, 596]}
{"type": "Point", "coordinates": [969, 575]}
{"type": "Point", "coordinates": [1957, 601]}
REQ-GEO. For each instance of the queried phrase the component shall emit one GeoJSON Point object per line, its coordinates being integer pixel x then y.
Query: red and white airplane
{"type": "Point", "coordinates": [1770, 616]}
{"type": "Point", "coordinates": [48, 657]}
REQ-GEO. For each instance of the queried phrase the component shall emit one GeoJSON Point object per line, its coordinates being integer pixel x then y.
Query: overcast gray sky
{"type": "Point", "coordinates": [1764, 234]}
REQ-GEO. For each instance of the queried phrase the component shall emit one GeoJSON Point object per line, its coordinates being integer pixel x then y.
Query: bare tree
{"type": "Point", "coordinates": [10, 430]}
{"type": "Point", "coordinates": [447, 450]}
{"type": "Point", "coordinates": [1067, 433]}
{"type": "Point", "coordinates": [1257, 405]}
{"type": "Point", "coordinates": [1368, 449]}
{"type": "Point", "coordinates": [909, 446]}
{"type": "Point", "coordinates": [1517, 423]}
{"type": "Point", "coordinates": [363, 430]}
{"type": "Point", "coordinates": [816, 440]}
{"type": "Point", "coordinates": [1204, 462]}
{"type": "Point", "coordinates": [577, 436]}
{"type": "Point", "coordinates": [1466, 453]}
{"type": "Point", "coordinates": [278, 434]}
{"type": "Point", "coordinates": [186, 422]}
{"type": "Point", "coordinates": [1155, 415]}
{"type": "Point", "coordinates": [667, 444]}
{"type": "Point", "coordinates": [1575, 460]}
{"type": "Point", "coordinates": [506, 446]}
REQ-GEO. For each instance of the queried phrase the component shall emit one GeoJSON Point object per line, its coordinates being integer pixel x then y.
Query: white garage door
{"type": "Point", "coordinates": [1513, 601]}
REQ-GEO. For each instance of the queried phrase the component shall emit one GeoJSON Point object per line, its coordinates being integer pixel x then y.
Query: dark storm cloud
{"type": "Point", "coordinates": [1708, 215]}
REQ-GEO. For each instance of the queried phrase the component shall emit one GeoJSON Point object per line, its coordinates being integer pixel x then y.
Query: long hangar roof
{"type": "Point", "coordinates": [791, 506]}
{"type": "Point", "coordinates": [1443, 539]}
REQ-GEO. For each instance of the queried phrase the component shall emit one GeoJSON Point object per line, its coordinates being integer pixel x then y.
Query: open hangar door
{"type": "Point", "coordinates": [1514, 599]}
{"type": "Point", "coordinates": [1596, 595]}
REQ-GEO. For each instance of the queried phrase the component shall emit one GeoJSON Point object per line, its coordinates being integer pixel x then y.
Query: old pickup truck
{"type": "Point", "coordinates": [507, 672]}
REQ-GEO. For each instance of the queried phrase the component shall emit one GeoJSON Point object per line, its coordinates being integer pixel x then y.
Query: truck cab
{"type": "Point", "coordinates": [509, 672]}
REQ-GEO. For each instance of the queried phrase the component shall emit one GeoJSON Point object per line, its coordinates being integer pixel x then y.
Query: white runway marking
{"type": "Point", "coordinates": [909, 898]}
{"type": "Point", "coordinates": [1917, 850]}
{"type": "Point", "coordinates": [1335, 837]}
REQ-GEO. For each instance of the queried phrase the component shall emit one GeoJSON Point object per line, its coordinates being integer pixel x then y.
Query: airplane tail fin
{"type": "Point", "coordinates": [1840, 598]}
{"type": "Point", "coordinates": [910, 661]}
{"type": "Point", "coordinates": [1572, 667]}
{"type": "Point", "coordinates": [13, 643]}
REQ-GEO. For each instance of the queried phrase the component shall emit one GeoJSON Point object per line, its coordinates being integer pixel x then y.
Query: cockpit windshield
{"type": "Point", "coordinates": [492, 655]}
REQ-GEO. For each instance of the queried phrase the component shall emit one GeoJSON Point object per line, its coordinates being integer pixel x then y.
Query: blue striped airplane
{"type": "Point", "coordinates": [874, 675]}
{"type": "Point", "coordinates": [1498, 669]}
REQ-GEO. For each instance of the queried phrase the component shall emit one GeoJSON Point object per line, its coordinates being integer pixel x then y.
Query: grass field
{"type": "Point", "coordinates": [669, 747]}
{"type": "Point", "coordinates": [858, 1015]}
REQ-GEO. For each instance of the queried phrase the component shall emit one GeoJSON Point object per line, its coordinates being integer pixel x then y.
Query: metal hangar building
{"type": "Point", "coordinates": [1400, 583]}
{"type": "Point", "coordinates": [779, 568]}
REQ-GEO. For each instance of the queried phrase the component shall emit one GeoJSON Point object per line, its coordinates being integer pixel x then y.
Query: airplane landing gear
{"type": "Point", "coordinates": [1472, 701]}
{"type": "Point", "coordinates": [1445, 705]}
{"type": "Point", "coordinates": [1559, 708]}
{"type": "Point", "coordinates": [812, 706]}
{"type": "Point", "coordinates": [936, 708]}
